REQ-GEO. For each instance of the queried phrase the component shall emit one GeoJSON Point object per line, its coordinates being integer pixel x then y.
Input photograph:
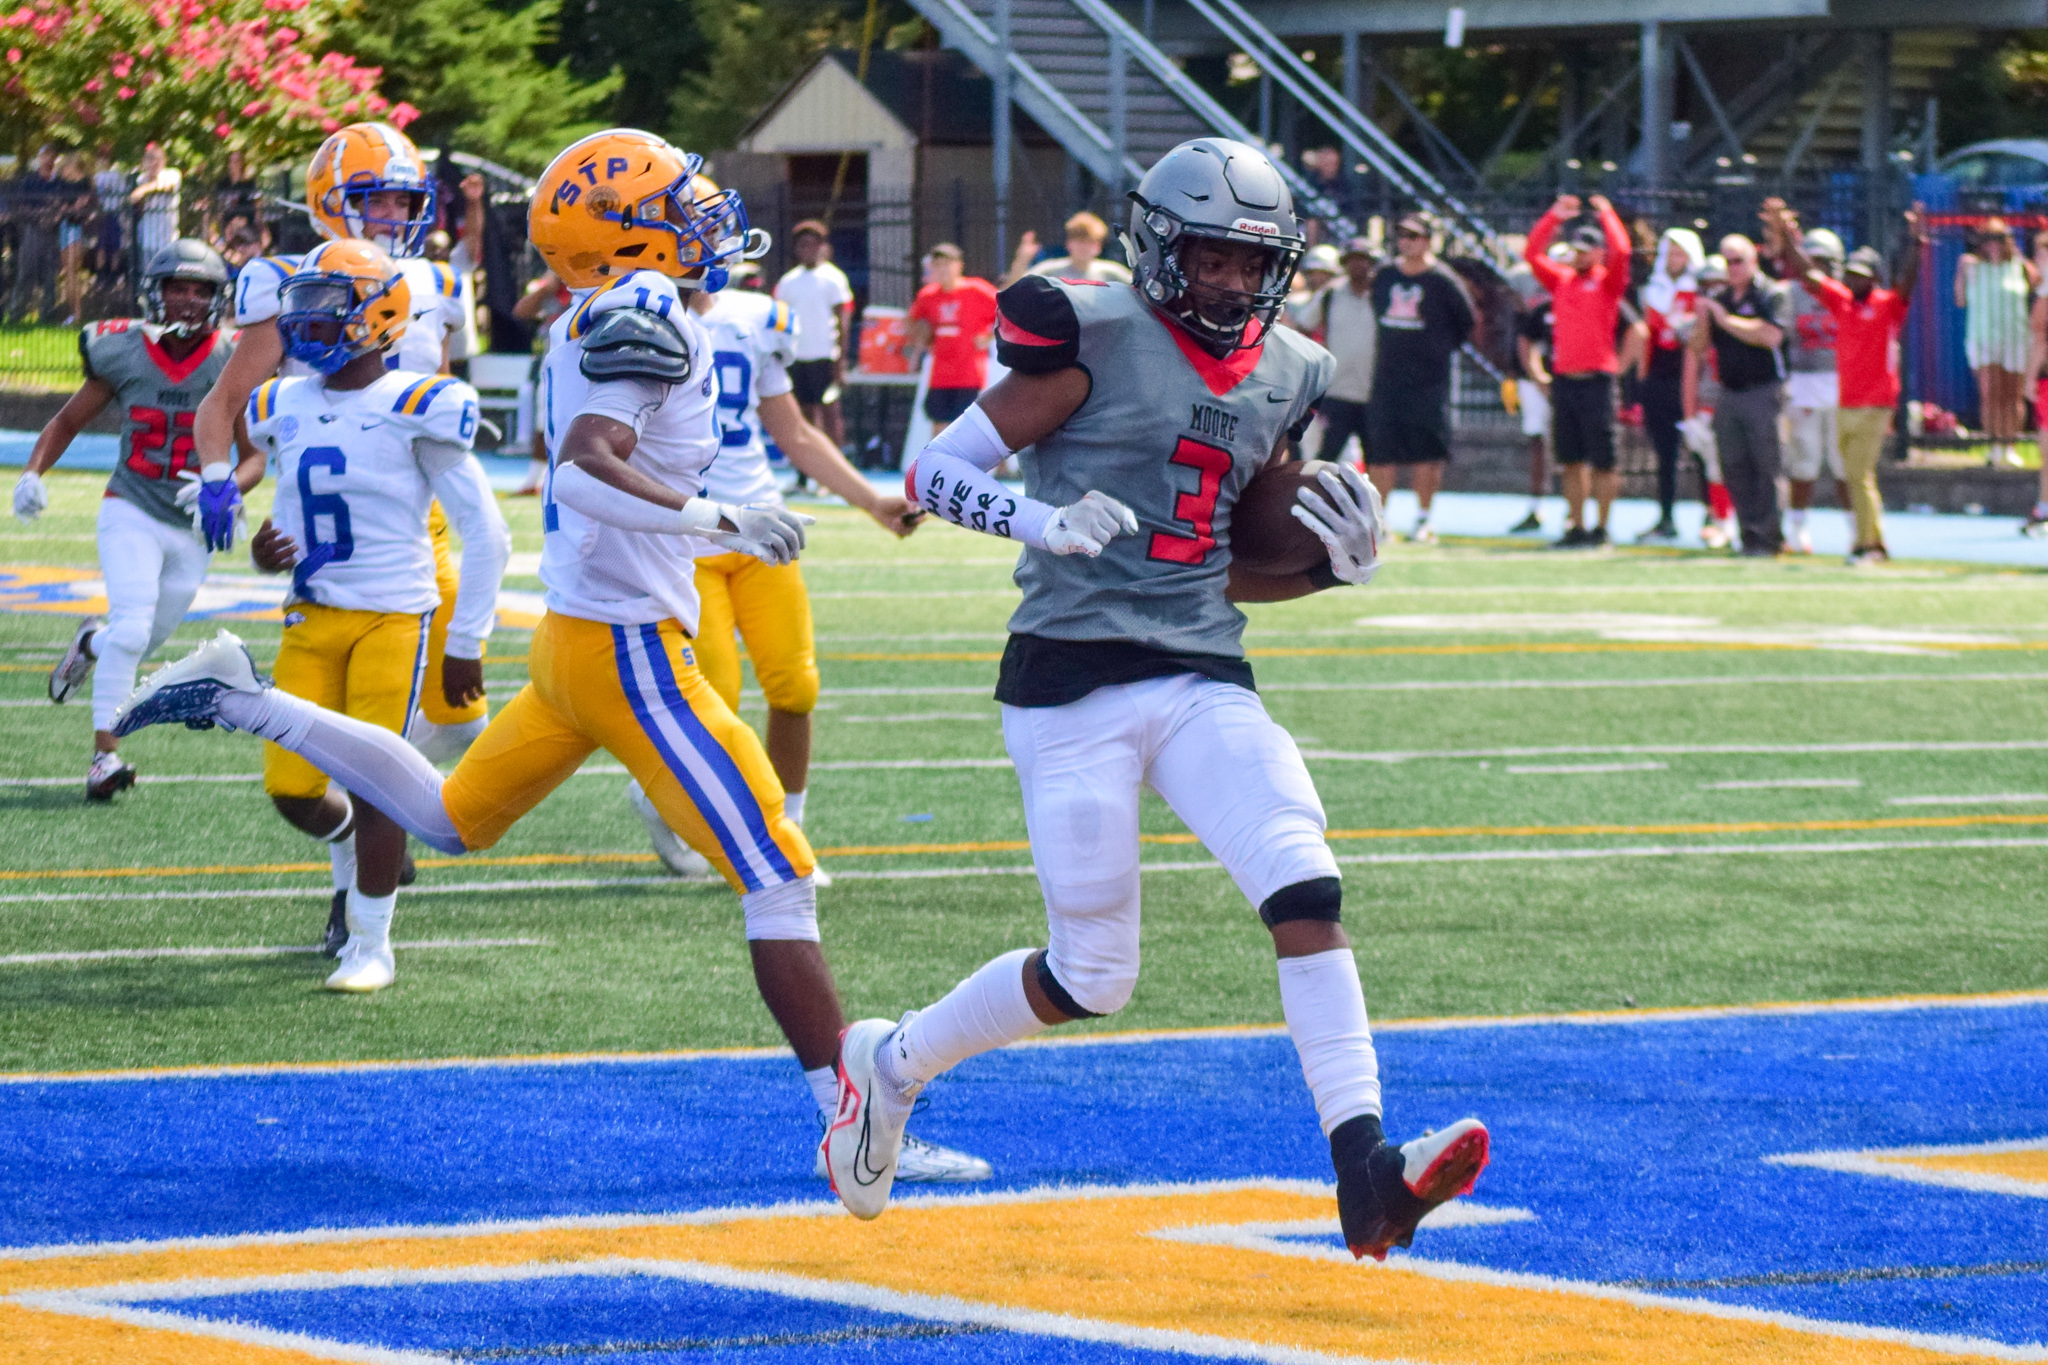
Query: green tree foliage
{"type": "Point", "coordinates": [1998, 90]}
{"type": "Point", "coordinates": [756, 47]}
{"type": "Point", "coordinates": [476, 74]}
{"type": "Point", "coordinates": [652, 44]}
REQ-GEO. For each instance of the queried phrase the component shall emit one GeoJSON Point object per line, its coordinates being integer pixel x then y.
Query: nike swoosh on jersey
{"type": "Point", "coordinates": [1278, 397]}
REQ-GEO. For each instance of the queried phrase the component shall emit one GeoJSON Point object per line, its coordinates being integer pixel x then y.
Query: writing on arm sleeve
{"type": "Point", "coordinates": [1037, 331]}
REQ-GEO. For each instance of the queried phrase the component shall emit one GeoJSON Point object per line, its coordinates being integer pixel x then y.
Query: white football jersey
{"type": "Point", "coordinates": [601, 573]}
{"type": "Point", "coordinates": [753, 343]}
{"type": "Point", "coordinates": [436, 308]}
{"type": "Point", "coordinates": [349, 479]}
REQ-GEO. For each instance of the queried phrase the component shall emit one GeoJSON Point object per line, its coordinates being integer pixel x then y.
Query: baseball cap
{"type": "Point", "coordinates": [947, 249]}
{"type": "Point", "coordinates": [1361, 246]}
{"type": "Point", "coordinates": [810, 225]}
{"type": "Point", "coordinates": [1322, 256]}
{"type": "Point", "coordinates": [1416, 223]}
{"type": "Point", "coordinates": [1586, 237]}
{"type": "Point", "coordinates": [1864, 260]}
{"type": "Point", "coordinates": [1558, 253]}
{"type": "Point", "coordinates": [1715, 269]}
{"type": "Point", "coordinates": [1822, 243]}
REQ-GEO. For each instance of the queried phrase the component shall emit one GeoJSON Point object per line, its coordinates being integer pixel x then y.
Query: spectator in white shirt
{"type": "Point", "coordinates": [820, 295]}
{"type": "Point", "coordinates": [155, 197]}
{"type": "Point", "coordinates": [1350, 328]}
{"type": "Point", "coordinates": [1086, 235]}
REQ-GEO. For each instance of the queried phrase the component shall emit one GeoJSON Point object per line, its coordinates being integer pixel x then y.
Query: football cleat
{"type": "Point", "coordinates": [1527, 526]}
{"type": "Point", "coordinates": [336, 936]}
{"type": "Point", "coordinates": [189, 690]}
{"type": "Point", "coordinates": [1664, 532]}
{"type": "Point", "coordinates": [678, 857]}
{"type": "Point", "coordinates": [1383, 1191]}
{"type": "Point", "coordinates": [1423, 534]}
{"type": "Point", "coordinates": [76, 665]}
{"type": "Point", "coordinates": [923, 1163]}
{"type": "Point", "coordinates": [1800, 542]}
{"type": "Point", "coordinates": [107, 775]}
{"type": "Point", "coordinates": [865, 1138]}
{"type": "Point", "coordinates": [362, 970]}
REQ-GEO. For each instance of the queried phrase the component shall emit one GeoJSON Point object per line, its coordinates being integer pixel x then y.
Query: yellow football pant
{"type": "Point", "coordinates": [635, 692]}
{"type": "Point", "coordinates": [772, 611]}
{"type": "Point", "coordinates": [1863, 432]}
{"type": "Point", "coordinates": [433, 700]}
{"type": "Point", "coordinates": [365, 664]}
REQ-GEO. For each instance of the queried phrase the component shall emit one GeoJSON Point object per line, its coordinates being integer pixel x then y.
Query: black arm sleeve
{"type": "Point", "coordinates": [1036, 329]}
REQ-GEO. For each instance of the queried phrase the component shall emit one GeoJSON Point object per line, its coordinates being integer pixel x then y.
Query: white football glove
{"type": "Point", "coordinates": [1698, 434]}
{"type": "Point", "coordinates": [1086, 527]}
{"type": "Point", "coordinates": [773, 535]}
{"type": "Point", "coordinates": [1348, 519]}
{"type": "Point", "coordinates": [30, 497]}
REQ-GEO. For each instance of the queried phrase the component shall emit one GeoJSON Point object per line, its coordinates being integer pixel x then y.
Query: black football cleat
{"type": "Point", "coordinates": [407, 873]}
{"type": "Point", "coordinates": [1383, 1191]}
{"type": "Point", "coordinates": [336, 936]}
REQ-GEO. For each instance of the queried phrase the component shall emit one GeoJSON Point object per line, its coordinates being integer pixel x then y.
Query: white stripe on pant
{"type": "Point", "coordinates": [152, 571]}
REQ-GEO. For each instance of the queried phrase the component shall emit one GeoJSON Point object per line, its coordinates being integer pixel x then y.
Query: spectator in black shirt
{"type": "Point", "coordinates": [35, 201]}
{"type": "Point", "coordinates": [1425, 315]}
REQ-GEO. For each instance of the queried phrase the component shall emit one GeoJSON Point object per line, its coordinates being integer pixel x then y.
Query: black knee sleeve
{"type": "Point", "coordinates": [1061, 998]}
{"type": "Point", "coordinates": [1319, 899]}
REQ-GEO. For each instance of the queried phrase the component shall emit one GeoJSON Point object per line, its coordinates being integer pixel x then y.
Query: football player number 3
{"type": "Point", "coordinates": [329, 505]}
{"type": "Point", "coordinates": [154, 430]}
{"type": "Point", "coordinates": [1197, 509]}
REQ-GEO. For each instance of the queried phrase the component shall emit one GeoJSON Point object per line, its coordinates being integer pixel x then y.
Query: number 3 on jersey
{"type": "Point", "coordinates": [1197, 509]}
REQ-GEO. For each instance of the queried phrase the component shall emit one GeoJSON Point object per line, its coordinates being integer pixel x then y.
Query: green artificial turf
{"type": "Point", "coordinates": [1409, 724]}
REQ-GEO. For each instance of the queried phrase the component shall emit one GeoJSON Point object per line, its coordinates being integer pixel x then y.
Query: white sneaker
{"type": "Point", "coordinates": [107, 775]}
{"type": "Point", "coordinates": [1718, 534]}
{"type": "Point", "coordinates": [924, 1163]}
{"type": "Point", "coordinates": [1423, 534]}
{"type": "Point", "coordinates": [678, 857]}
{"type": "Point", "coordinates": [189, 690]}
{"type": "Point", "coordinates": [363, 969]}
{"type": "Point", "coordinates": [1800, 541]}
{"type": "Point", "coordinates": [865, 1139]}
{"type": "Point", "coordinates": [76, 665]}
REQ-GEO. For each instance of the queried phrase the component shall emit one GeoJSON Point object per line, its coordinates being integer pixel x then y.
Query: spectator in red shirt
{"type": "Point", "coordinates": [1586, 301]}
{"type": "Point", "coordinates": [1867, 321]}
{"type": "Point", "coordinates": [954, 318]}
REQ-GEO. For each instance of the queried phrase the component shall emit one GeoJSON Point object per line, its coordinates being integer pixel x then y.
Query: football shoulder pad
{"type": "Point", "coordinates": [1037, 331]}
{"type": "Point", "coordinates": [634, 343]}
{"type": "Point", "coordinates": [439, 407]}
{"type": "Point", "coordinates": [647, 290]}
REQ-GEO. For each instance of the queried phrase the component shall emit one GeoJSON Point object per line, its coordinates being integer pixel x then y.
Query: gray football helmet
{"type": "Point", "coordinates": [188, 258]}
{"type": "Point", "coordinates": [1213, 188]}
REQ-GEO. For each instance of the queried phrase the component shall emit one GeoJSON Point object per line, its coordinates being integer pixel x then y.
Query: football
{"type": "Point", "coordinates": [1265, 537]}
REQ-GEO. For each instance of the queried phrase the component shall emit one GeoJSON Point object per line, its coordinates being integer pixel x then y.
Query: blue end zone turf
{"type": "Point", "coordinates": [1639, 1148]}
{"type": "Point", "coordinates": [585, 1317]}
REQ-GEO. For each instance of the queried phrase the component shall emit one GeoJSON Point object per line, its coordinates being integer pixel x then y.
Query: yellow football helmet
{"type": "Point", "coordinates": [346, 299]}
{"type": "Point", "coordinates": [361, 160]}
{"type": "Point", "coordinates": [625, 200]}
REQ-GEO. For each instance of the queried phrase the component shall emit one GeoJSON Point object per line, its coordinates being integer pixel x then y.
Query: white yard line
{"type": "Point", "coordinates": [1561, 769]}
{"type": "Point", "coordinates": [2004, 799]}
{"type": "Point", "coordinates": [1781, 783]}
{"type": "Point", "coordinates": [276, 950]}
{"type": "Point", "coordinates": [1932, 746]}
{"type": "Point", "coordinates": [913, 716]}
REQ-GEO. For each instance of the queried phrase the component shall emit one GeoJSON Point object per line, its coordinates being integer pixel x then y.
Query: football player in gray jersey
{"type": "Point", "coordinates": [1146, 408]}
{"type": "Point", "coordinates": [156, 369]}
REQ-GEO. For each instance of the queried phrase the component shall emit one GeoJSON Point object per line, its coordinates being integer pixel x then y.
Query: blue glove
{"type": "Point", "coordinates": [219, 509]}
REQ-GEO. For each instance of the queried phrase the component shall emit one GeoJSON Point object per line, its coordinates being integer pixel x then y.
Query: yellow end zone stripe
{"type": "Point", "coordinates": [1020, 845]}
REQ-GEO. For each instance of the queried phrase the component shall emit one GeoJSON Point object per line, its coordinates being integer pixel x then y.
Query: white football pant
{"type": "Point", "coordinates": [1209, 749]}
{"type": "Point", "coordinates": [152, 571]}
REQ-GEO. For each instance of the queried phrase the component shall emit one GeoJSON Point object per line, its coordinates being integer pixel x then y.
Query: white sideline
{"type": "Point", "coordinates": [276, 950]}
{"type": "Point", "coordinates": [1880, 746]}
{"type": "Point", "coordinates": [1565, 769]}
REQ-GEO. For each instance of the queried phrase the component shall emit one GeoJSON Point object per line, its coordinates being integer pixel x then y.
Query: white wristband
{"type": "Point", "coordinates": [701, 516]}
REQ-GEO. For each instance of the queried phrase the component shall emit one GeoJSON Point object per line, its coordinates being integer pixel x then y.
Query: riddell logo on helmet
{"type": "Point", "coordinates": [1254, 225]}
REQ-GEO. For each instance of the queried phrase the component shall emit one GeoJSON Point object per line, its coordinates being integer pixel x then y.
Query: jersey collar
{"type": "Point", "coordinates": [1223, 375]}
{"type": "Point", "coordinates": [178, 371]}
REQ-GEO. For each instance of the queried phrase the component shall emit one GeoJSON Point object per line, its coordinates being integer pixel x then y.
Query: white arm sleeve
{"type": "Point", "coordinates": [486, 547]}
{"type": "Point", "coordinates": [951, 479]}
{"type": "Point", "coordinates": [581, 491]}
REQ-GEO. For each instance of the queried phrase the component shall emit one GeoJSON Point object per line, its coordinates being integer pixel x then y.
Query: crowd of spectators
{"type": "Point", "coordinates": [1769, 363]}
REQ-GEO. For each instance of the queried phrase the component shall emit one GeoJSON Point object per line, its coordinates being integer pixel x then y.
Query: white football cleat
{"type": "Point", "coordinates": [678, 857]}
{"type": "Point", "coordinates": [189, 690]}
{"type": "Point", "coordinates": [925, 1163]}
{"type": "Point", "coordinates": [107, 775]}
{"type": "Point", "coordinates": [363, 969]}
{"type": "Point", "coordinates": [76, 665]}
{"type": "Point", "coordinates": [865, 1138]}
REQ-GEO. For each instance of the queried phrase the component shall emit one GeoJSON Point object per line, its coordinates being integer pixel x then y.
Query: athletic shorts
{"type": "Point", "coordinates": [769, 608]}
{"type": "Point", "coordinates": [635, 692]}
{"type": "Point", "coordinates": [809, 379]}
{"type": "Point", "coordinates": [433, 700]}
{"type": "Point", "coordinates": [1342, 420]}
{"type": "Point", "coordinates": [1535, 406]}
{"type": "Point", "coordinates": [369, 665]}
{"type": "Point", "coordinates": [1582, 420]}
{"type": "Point", "coordinates": [1812, 444]}
{"type": "Point", "coordinates": [1410, 428]}
{"type": "Point", "coordinates": [948, 405]}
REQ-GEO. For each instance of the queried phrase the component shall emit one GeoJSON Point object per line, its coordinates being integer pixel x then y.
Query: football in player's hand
{"type": "Point", "coordinates": [1265, 536]}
